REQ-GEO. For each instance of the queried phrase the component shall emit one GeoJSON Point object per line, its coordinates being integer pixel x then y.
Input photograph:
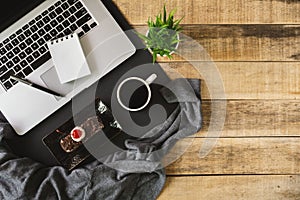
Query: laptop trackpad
{"type": "Point", "coordinates": [50, 78]}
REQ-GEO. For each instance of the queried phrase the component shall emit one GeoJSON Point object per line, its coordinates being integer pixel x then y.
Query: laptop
{"type": "Point", "coordinates": [26, 26]}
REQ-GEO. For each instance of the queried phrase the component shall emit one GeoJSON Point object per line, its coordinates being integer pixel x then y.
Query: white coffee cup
{"type": "Point", "coordinates": [146, 82]}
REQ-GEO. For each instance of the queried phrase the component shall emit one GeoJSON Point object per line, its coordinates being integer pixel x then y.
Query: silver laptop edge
{"type": "Point", "coordinates": [106, 46]}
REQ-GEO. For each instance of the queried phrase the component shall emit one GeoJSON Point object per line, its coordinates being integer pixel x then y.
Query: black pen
{"type": "Point", "coordinates": [27, 82]}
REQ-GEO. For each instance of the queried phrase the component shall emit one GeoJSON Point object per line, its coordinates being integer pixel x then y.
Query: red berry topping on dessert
{"type": "Point", "coordinates": [77, 134]}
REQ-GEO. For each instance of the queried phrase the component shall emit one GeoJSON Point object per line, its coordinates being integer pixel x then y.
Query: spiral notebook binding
{"type": "Point", "coordinates": [62, 38]}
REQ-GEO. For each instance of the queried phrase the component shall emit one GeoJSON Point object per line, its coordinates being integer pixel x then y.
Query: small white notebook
{"type": "Point", "coordinates": [68, 58]}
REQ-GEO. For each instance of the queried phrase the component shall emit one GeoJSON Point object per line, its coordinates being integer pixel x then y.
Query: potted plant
{"type": "Point", "coordinates": [162, 37]}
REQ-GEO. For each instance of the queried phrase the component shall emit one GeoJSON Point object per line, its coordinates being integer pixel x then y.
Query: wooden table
{"type": "Point", "coordinates": [256, 47]}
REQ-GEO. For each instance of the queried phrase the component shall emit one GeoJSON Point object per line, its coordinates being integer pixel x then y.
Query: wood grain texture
{"type": "Point", "coordinates": [239, 156]}
{"type": "Point", "coordinates": [255, 46]}
{"type": "Point", "coordinates": [245, 80]}
{"type": "Point", "coordinates": [238, 42]}
{"type": "Point", "coordinates": [215, 11]}
{"type": "Point", "coordinates": [254, 118]}
{"type": "Point", "coordinates": [232, 187]}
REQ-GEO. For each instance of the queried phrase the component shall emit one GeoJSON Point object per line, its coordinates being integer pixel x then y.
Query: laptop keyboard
{"type": "Point", "coordinates": [26, 50]}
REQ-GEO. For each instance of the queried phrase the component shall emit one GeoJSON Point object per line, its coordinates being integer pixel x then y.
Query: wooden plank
{"type": "Point", "coordinates": [215, 11]}
{"type": "Point", "coordinates": [244, 80]}
{"type": "Point", "coordinates": [238, 42]}
{"type": "Point", "coordinates": [232, 187]}
{"type": "Point", "coordinates": [238, 156]}
{"type": "Point", "coordinates": [254, 118]}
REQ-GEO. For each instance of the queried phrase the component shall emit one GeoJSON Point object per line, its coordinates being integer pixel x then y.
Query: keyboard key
{"type": "Point", "coordinates": [15, 42]}
{"type": "Point", "coordinates": [41, 32]}
{"type": "Point", "coordinates": [59, 28]}
{"type": "Point", "coordinates": [46, 19]}
{"type": "Point", "coordinates": [72, 19]}
{"type": "Point", "coordinates": [72, 1]}
{"type": "Point", "coordinates": [67, 31]}
{"type": "Point", "coordinates": [16, 59]}
{"type": "Point", "coordinates": [22, 55]}
{"type": "Point", "coordinates": [21, 75]}
{"type": "Point", "coordinates": [86, 28]}
{"type": "Point", "coordinates": [60, 19]}
{"type": "Point", "coordinates": [41, 60]}
{"type": "Point", "coordinates": [80, 34]}
{"type": "Point", "coordinates": [34, 28]}
{"type": "Point", "coordinates": [72, 9]}
{"type": "Point", "coordinates": [52, 15]}
{"type": "Point", "coordinates": [60, 35]}
{"type": "Point", "coordinates": [31, 22]}
{"type": "Point", "coordinates": [16, 50]}
{"type": "Point", "coordinates": [80, 13]}
{"type": "Point", "coordinates": [65, 6]}
{"type": "Point", "coordinates": [23, 63]}
{"type": "Point", "coordinates": [78, 5]}
{"type": "Point", "coordinates": [4, 59]}
{"type": "Point", "coordinates": [73, 27]}
{"type": "Point", "coordinates": [22, 45]}
{"type": "Point", "coordinates": [28, 41]}
{"type": "Point", "coordinates": [6, 41]}
{"type": "Point", "coordinates": [66, 23]}
{"type": "Point", "coordinates": [93, 25]}
{"type": "Point", "coordinates": [19, 31]}
{"type": "Point", "coordinates": [7, 85]}
{"type": "Point", "coordinates": [2, 51]}
{"type": "Point", "coordinates": [8, 47]}
{"type": "Point", "coordinates": [53, 23]}
{"type": "Point", "coordinates": [26, 26]}
{"type": "Point", "coordinates": [66, 14]}
{"type": "Point", "coordinates": [83, 20]}
{"type": "Point", "coordinates": [12, 36]}
{"type": "Point", "coordinates": [41, 41]}
{"type": "Point", "coordinates": [40, 23]}
{"type": "Point", "coordinates": [9, 64]}
{"type": "Point", "coordinates": [53, 32]}
{"type": "Point", "coordinates": [47, 28]}
{"type": "Point", "coordinates": [17, 68]}
{"type": "Point", "coordinates": [28, 50]}
{"type": "Point", "coordinates": [45, 13]}
{"type": "Point", "coordinates": [21, 37]}
{"type": "Point", "coordinates": [29, 59]}
{"type": "Point", "coordinates": [37, 18]}
{"type": "Point", "coordinates": [14, 82]}
{"type": "Point", "coordinates": [10, 55]}
{"type": "Point", "coordinates": [35, 37]}
{"type": "Point", "coordinates": [27, 70]}
{"type": "Point", "coordinates": [34, 46]}
{"type": "Point", "coordinates": [47, 37]}
{"type": "Point", "coordinates": [3, 69]}
{"type": "Point", "coordinates": [51, 8]}
{"type": "Point", "coordinates": [7, 75]}
{"type": "Point", "coordinates": [58, 10]}
{"type": "Point", "coordinates": [57, 3]}
{"type": "Point", "coordinates": [27, 33]}
{"type": "Point", "coordinates": [42, 50]}
{"type": "Point", "coordinates": [36, 54]}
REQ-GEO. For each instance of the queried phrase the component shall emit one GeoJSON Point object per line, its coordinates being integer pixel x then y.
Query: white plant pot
{"type": "Point", "coordinates": [176, 47]}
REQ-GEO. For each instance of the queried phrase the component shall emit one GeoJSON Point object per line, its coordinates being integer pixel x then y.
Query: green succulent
{"type": "Point", "coordinates": [162, 35]}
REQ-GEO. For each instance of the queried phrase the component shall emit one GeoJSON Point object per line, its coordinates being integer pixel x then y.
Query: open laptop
{"type": "Point", "coordinates": [26, 26]}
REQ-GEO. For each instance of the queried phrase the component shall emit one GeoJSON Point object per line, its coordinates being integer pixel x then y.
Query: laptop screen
{"type": "Point", "coordinates": [12, 10]}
